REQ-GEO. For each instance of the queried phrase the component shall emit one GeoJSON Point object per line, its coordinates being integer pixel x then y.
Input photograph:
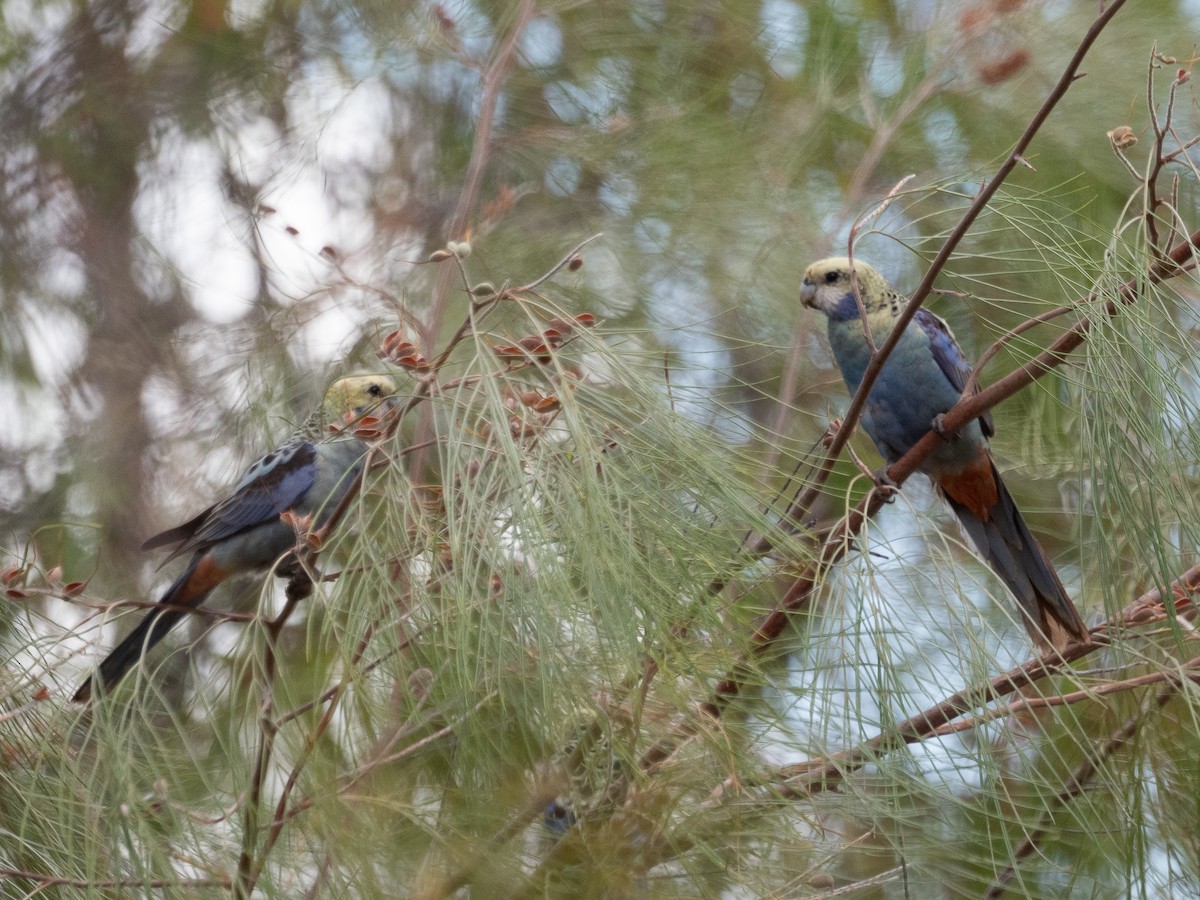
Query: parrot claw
{"type": "Point", "coordinates": [938, 425]}
{"type": "Point", "coordinates": [289, 567]}
{"type": "Point", "coordinates": [830, 433]}
{"type": "Point", "coordinates": [886, 486]}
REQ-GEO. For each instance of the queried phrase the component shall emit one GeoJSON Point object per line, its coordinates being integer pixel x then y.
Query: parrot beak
{"type": "Point", "coordinates": [373, 421]}
{"type": "Point", "coordinates": [388, 410]}
{"type": "Point", "coordinates": [386, 405]}
{"type": "Point", "coordinates": [379, 408]}
{"type": "Point", "coordinates": [808, 293]}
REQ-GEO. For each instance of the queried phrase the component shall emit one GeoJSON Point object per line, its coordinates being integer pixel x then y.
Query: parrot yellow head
{"type": "Point", "coordinates": [349, 399]}
{"type": "Point", "coordinates": [827, 287]}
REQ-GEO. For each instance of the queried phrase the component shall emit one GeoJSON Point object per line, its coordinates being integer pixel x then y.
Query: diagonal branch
{"type": "Point", "coordinates": [841, 538]}
{"type": "Point", "coordinates": [492, 83]}
{"type": "Point", "coordinates": [1079, 781]}
{"type": "Point", "coordinates": [802, 504]}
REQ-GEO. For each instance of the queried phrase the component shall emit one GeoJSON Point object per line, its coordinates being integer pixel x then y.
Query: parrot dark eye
{"type": "Point", "coordinates": [374, 390]}
{"type": "Point", "coordinates": [831, 277]}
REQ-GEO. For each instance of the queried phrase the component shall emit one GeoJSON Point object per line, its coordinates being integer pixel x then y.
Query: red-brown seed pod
{"type": "Point", "coordinates": [1004, 68]}
{"type": "Point", "coordinates": [1122, 137]}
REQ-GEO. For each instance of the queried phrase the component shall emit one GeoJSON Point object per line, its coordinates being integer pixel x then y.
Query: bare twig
{"type": "Point", "coordinates": [882, 137]}
{"type": "Point", "coordinates": [1188, 671]}
{"type": "Point", "coordinates": [880, 208]}
{"type": "Point", "coordinates": [332, 693]}
{"type": "Point", "coordinates": [982, 199]}
{"type": "Point", "coordinates": [937, 720]}
{"type": "Point", "coordinates": [990, 352]}
{"type": "Point", "coordinates": [310, 744]}
{"type": "Point", "coordinates": [90, 884]}
{"type": "Point", "coordinates": [841, 537]}
{"type": "Point", "coordinates": [557, 267]}
{"type": "Point", "coordinates": [802, 780]}
{"type": "Point", "coordinates": [492, 83]}
{"type": "Point", "coordinates": [1079, 781]}
{"type": "Point", "coordinates": [352, 780]}
{"type": "Point", "coordinates": [250, 864]}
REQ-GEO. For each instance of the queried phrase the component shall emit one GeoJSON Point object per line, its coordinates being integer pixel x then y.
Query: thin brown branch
{"type": "Point", "coordinates": [818, 775]}
{"type": "Point", "coordinates": [1182, 149]}
{"type": "Point", "coordinates": [90, 884]}
{"type": "Point", "coordinates": [492, 82]}
{"type": "Point", "coordinates": [1187, 672]}
{"type": "Point", "coordinates": [221, 615]}
{"type": "Point", "coordinates": [982, 199]}
{"type": "Point", "coordinates": [332, 693]}
{"type": "Point", "coordinates": [353, 779]}
{"type": "Point", "coordinates": [310, 744]}
{"type": "Point", "coordinates": [1150, 182]}
{"type": "Point", "coordinates": [841, 538]}
{"type": "Point", "coordinates": [1078, 782]}
{"type": "Point", "coordinates": [879, 210]}
{"type": "Point", "coordinates": [1004, 339]}
{"type": "Point", "coordinates": [250, 864]}
{"type": "Point", "coordinates": [821, 774]}
{"type": "Point", "coordinates": [881, 139]}
{"type": "Point", "coordinates": [557, 267]}
{"type": "Point", "coordinates": [1181, 588]}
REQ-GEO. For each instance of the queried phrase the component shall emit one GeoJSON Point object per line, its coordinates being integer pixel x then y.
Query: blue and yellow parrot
{"type": "Point", "coordinates": [925, 376]}
{"type": "Point", "coordinates": [306, 476]}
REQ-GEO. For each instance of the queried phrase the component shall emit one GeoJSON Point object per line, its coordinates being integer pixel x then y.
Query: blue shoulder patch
{"type": "Point", "coordinates": [271, 486]}
{"type": "Point", "coordinates": [949, 357]}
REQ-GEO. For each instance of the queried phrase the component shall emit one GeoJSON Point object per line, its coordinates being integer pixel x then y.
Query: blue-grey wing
{"type": "Point", "coordinates": [271, 486]}
{"type": "Point", "coordinates": [949, 357]}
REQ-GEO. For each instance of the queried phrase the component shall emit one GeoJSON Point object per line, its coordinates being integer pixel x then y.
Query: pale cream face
{"type": "Point", "coordinates": [827, 287]}
{"type": "Point", "coordinates": [357, 395]}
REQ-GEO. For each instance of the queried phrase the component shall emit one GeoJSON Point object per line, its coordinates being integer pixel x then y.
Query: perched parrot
{"type": "Point", "coordinates": [925, 376]}
{"type": "Point", "coordinates": [307, 476]}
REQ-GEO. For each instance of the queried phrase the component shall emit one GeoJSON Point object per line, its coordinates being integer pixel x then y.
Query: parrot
{"type": "Point", "coordinates": [923, 377]}
{"type": "Point", "coordinates": [308, 475]}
